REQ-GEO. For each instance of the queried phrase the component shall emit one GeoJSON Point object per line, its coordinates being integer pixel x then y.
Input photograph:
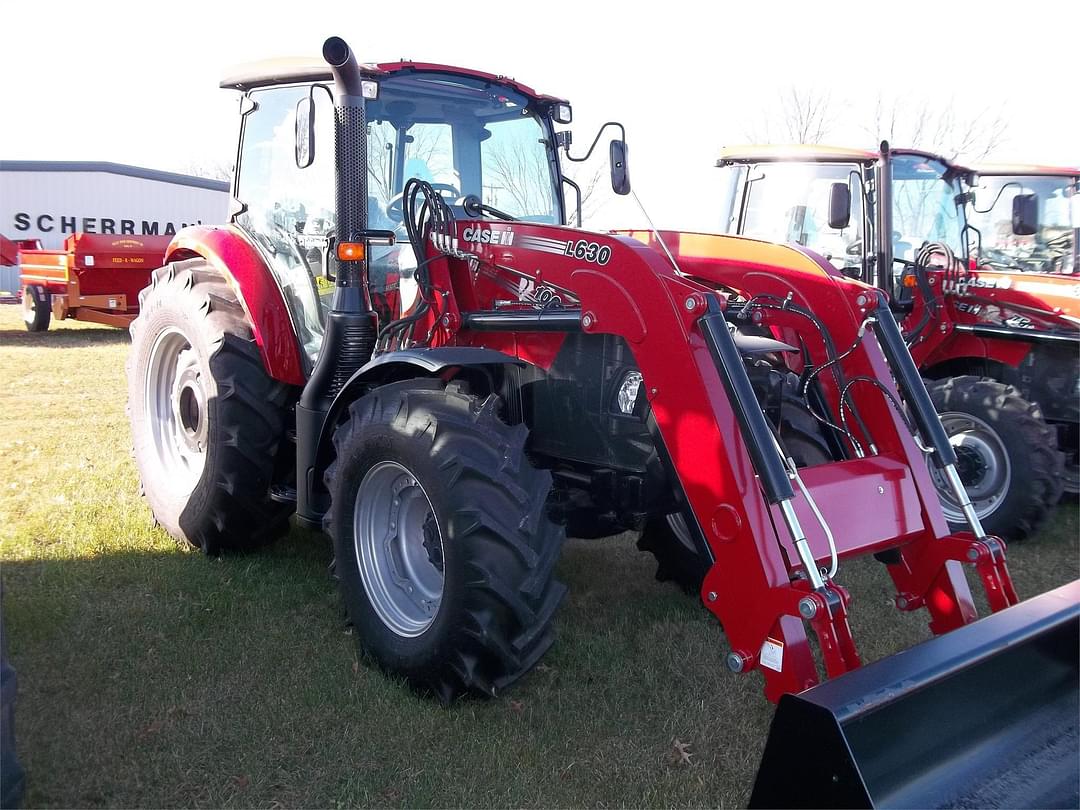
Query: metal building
{"type": "Point", "coordinates": [50, 200]}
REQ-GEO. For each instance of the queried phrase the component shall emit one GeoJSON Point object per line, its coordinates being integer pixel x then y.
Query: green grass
{"type": "Point", "coordinates": [151, 676]}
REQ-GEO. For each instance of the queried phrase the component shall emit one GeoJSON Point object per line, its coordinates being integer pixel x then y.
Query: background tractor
{"type": "Point", "coordinates": [398, 339]}
{"type": "Point", "coordinates": [1052, 247]}
{"type": "Point", "coordinates": [1001, 350]}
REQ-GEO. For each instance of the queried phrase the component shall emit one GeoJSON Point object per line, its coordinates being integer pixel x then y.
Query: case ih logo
{"type": "Point", "coordinates": [47, 223]}
{"type": "Point", "coordinates": [488, 236]}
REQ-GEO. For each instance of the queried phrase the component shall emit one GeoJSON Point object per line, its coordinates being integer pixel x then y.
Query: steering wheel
{"type": "Point", "coordinates": [394, 207]}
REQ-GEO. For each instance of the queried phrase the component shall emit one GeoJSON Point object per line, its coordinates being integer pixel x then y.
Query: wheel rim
{"type": "Point", "coordinates": [29, 305]}
{"type": "Point", "coordinates": [982, 463]}
{"type": "Point", "coordinates": [176, 410]}
{"type": "Point", "coordinates": [399, 548]}
{"type": "Point", "coordinates": [677, 524]}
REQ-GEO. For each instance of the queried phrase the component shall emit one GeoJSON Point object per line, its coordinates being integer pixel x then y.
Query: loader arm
{"type": "Point", "coordinates": [767, 542]}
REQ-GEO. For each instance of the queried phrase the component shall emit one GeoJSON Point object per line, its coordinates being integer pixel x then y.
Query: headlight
{"type": "Point", "coordinates": [628, 391]}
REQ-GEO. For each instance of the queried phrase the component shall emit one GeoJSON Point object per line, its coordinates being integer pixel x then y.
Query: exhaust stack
{"type": "Point", "coordinates": [351, 325]}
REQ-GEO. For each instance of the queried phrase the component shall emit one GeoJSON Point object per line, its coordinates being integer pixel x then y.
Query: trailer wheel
{"type": "Point", "coordinates": [443, 546]}
{"type": "Point", "coordinates": [1007, 455]}
{"type": "Point", "coordinates": [36, 306]}
{"type": "Point", "coordinates": [668, 537]}
{"type": "Point", "coordinates": [208, 422]}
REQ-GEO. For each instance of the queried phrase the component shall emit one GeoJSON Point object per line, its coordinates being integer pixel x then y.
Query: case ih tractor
{"type": "Point", "coordinates": [1000, 349]}
{"type": "Point", "coordinates": [398, 340]}
{"type": "Point", "coordinates": [1052, 247]}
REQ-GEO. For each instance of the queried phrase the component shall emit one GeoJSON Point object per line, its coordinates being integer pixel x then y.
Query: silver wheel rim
{"type": "Point", "coordinates": [399, 548]}
{"type": "Point", "coordinates": [29, 305]}
{"type": "Point", "coordinates": [678, 526]}
{"type": "Point", "coordinates": [983, 464]}
{"type": "Point", "coordinates": [1072, 478]}
{"type": "Point", "coordinates": [176, 410]}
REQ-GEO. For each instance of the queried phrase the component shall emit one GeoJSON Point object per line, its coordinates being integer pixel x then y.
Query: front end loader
{"type": "Point", "coordinates": [398, 339]}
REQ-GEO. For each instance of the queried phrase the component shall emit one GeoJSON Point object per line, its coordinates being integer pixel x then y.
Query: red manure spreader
{"type": "Point", "coordinates": [95, 278]}
{"type": "Point", "coordinates": [398, 340]}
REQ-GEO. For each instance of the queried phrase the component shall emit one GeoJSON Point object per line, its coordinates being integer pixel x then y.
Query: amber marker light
{"type": "Point", "coordinates": [350, 251]}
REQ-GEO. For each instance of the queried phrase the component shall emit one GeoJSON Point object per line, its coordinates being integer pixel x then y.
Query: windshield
{"type": "Point", "coordinates": [925, 207]}
{"type": "Point", "coordinates": [466, 136]}
{"type": "Point", "coordinates": [1050, 248]}
{"type": "Point", "coordinates": [789, 202]}
{"type": "Point", "coordinates": [731, 188]}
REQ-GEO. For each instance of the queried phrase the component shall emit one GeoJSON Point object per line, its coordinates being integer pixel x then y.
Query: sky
{"type": "Point", "coordinates": [136, 83]}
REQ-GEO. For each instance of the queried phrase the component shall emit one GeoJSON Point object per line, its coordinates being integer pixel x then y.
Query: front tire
{"type": "Point", "coordinates": [443, 546]}
{"type": "Point", "coordinates": [1007, 455]}
{"type": "Point", "coordinates": [208, 422]}
{"type": "Point", "coordinates": [36, 307]}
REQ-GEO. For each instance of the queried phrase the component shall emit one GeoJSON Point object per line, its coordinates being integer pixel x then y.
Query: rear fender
{"type": "Point", "coordinates": [246, 272]}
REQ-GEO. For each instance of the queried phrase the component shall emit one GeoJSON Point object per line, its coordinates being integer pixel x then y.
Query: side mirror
{"type": "Point", "coordinates": [839, 206]}
{"type": "Point", "coordinates": [620, 172]}
{"type": "Point", "coordinates": [305, 132]}
{"type": "Point", "coordinates": [1025, 214]}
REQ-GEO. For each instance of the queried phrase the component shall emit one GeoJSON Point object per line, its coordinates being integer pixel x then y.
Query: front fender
{"type": "Point", "coordinates": [416, 363]}
{"type": "Point", "coordinates": [243, 267]}
{"type": "Point", "coordinates": [314, 457]}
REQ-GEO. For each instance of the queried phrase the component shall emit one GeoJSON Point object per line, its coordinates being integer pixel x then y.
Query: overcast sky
{"type": "Point", "coordinates": [137, 83]}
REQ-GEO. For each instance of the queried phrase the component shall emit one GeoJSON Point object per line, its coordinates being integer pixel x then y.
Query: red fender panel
{"type": "Point", "coordinates": [243, 268]}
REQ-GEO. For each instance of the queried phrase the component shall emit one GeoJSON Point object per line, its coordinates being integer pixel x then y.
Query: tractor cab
{"type": "Point", "coordinates": [826, 199]}
{"type": "Point", "coordinates": [1049, 246]}
{"type": "Point", "coordinates": [486, 143]}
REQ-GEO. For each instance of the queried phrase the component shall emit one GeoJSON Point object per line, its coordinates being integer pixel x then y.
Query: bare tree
{"type": "Point", "coordinates": [798, 116]}
{"type": "Point", "coordinates": [427, 143]}
{"type": "Point", "coordinates": [210, 168]}
{"type": "Point", "coordinates": [592, 197]}
{"type": "Point", "coordinates": [947, 130]}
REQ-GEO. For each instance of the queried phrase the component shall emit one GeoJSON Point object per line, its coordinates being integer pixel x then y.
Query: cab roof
{"type": "Point", "coordinates": [1024, 170]}
{"type": "Point", "coordinates": [796, 152]}
{"type": "Point", "coordinates": [301, 69]}
{"type": "Point", "coordinates": [805, 153]}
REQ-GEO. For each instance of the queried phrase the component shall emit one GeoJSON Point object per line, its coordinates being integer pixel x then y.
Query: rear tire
{"type": "Point", "coordinates": [208, 422]}
{"type": "Point", "coordinates": [464, 600]}
{"type": "Point", "coordinates": [37, 308]}
{"type": "Point", "coordinates": [1008, 456]}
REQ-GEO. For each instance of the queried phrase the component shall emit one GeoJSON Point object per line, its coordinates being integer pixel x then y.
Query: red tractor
{"type": "Point", "coordinates": [1052, 247]}
{"type": "Point", "coordinates": [398, 339]}
{"type": "Point", "coordinates": [1000, 348]}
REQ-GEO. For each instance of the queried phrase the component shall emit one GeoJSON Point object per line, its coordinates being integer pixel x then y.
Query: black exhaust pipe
{"type": "Point", "coordinates": [351, 325]}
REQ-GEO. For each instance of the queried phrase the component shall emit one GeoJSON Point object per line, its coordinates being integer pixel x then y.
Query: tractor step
{"type": "Point", "coordinates": [983, 716]}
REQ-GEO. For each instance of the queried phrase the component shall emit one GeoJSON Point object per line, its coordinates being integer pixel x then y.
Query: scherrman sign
{"type": "Point", "coordinates": [49, 223]}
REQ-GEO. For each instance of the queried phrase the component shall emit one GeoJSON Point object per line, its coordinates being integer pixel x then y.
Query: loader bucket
{"type": "Point", "coordinates": [983, 716]}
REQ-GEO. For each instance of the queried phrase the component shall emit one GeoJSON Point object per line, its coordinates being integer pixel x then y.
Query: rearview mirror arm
{"type": "Point", "coordinates": [596, 140]}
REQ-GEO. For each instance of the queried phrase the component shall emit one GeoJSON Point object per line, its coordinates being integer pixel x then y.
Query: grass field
{"type": "Point", "coordinates": [152, 676]}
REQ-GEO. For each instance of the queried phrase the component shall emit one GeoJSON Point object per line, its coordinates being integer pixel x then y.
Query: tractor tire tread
{"type": "Point", "coordinates": [509, 593]}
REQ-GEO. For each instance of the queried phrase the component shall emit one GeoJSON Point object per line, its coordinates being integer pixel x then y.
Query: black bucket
{"type": "Point", "coordinates": [984, 716]}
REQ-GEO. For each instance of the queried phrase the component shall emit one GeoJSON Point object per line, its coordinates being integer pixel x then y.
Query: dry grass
{"type": "Point", "coordinates": [150, 676]}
